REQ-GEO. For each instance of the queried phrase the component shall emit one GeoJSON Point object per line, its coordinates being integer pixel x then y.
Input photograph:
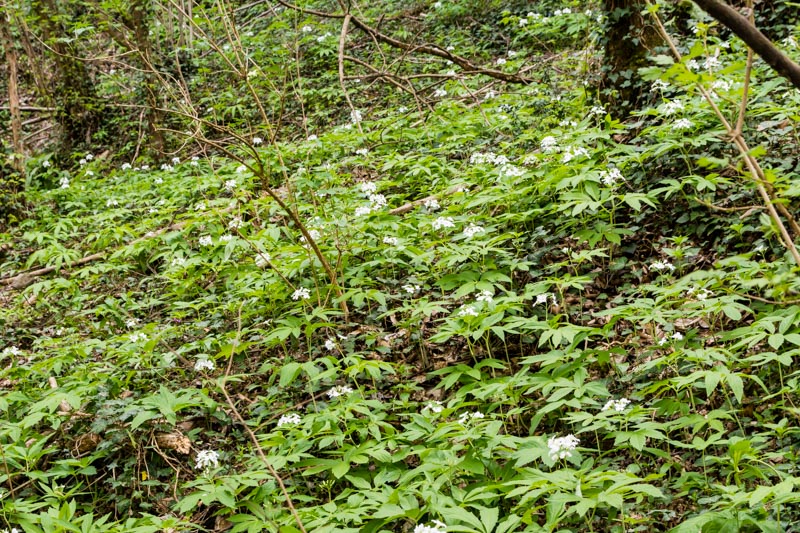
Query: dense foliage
{"type": "Point", "coordinates": [409, 298]}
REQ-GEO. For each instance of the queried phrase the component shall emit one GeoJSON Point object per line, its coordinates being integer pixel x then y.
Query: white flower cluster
{"type": "Point", "coordinates": [670, 108]}
{"type": "Point", "coordinates": [677, 336]}
{"type": "Point", "coordinates": [64, 182]}
{"type": "Point", "coordinates": [483, 158]}
{"type": "Point", "coordinates": [472, 230]}
{"type": "Point", "coordinates": [467, 310]}
{"type": "Point", "coordinates": [355, 116]}
{"type": "Point", "coordinates": [700, 295]}
{"type": "Point", "coordinates": [532, 17]}
{"type": "Point", "coordinates": [12, 350]}
{"type": "Point", "coordinates": [682, 124]}
{"type": "Point", "coordinates": [562, 447]}
{"type": "Point", "coordinates": [289, 419]}
{"type": "Point", "coordinates": [659, 85]}
{"type": "Point", "coordinates": [611, 176]}
{"type": "Point", "coordinates": [206, 459]}
{"type": "Point", "coordinates": [469, 417]}
{"type": "Point", "coordinates": [721, 85]}
{"type": "Point", "coordinates": [206, 240]}
{"type": "Point", "coordinates": [542, 298]}
{"type": "Point", "coordinates": [443, 222]}
{"type": "Point", "coordinates": [573, 152]}
{"type": "Point", "coordinates": [138, 337]}
{"type": "Point", "coordinates": [391, 241]}
{"type": "Point", "coordinates": [485, 296]}
{"type": "Point", "coordinates": [439, 93]}
{"type": "Point", "coordinates": [434, 406]}
{"type": "Point", "coordinates": [435, 527]}
{"type": "Point", "coordinates": [616, 405]}
{"type": "Point", "coordinates": [204, 364]}
{"type": "Point", "coordinates": [301, 294]}
{"type": "Point", "coordinates": [549, 144]}
{"type": "Point", "coordinates": [330, 345]}
{"type": "Point", "coordinates": [339, 390]}
{"type": "Point", "coordinates": [663, 265]}
{"type": "Point", "coordinates": [411, 289]}
{"type": "Point", "coordinates": [431, 204]}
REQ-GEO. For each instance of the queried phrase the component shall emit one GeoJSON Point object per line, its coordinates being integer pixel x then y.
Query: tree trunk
{"type": "Point", "coordinates": [13, 93]}
{"type": "Point", "coordinates": [629, 37]}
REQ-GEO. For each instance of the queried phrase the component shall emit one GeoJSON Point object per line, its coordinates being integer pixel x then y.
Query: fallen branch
{"type": "Point", "coordinates": [405, 208]}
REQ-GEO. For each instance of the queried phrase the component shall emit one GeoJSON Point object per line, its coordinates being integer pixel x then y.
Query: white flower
{"type": "Point", "coordinates": [46, 163]}
{"type": "Point", "coordinates": [549, 144]}
{"type": "Point", "coordinates": [391, 241]}
{"type": "Point", "coordinates": [339, 390]}
{"type": "Point", "coordinates": [257, 141]}
{"type": "Point", "coordinates": [158, 181]}
{"type": "Point", "coordinates": [670, 108]}
{"type": "Point", "coordinates": [301, 294]}
{"type": "Point", "coordinates": [236, 222]}
{"type": "Point", "coordinates": [678, 336]}
{"type": "Point", "coordinates": [330, 345]}
{"type": "Point", "coordinates": [12, 350]}
{"type": "Point", "coordinates": [312, 138]}
{"type": "Point", "coordinates": [472, 230]}
{"type": "Point", "coordinates": [682, 124]}
{"type": "Point", "coordinates": [166, 167]}
{"type": "Point", "coordinates": [439, 93]}
{"type": "Point", "coordinates": [659, 85]}
{"type": "Point", "coordinates": [263, 259]}
{"type": "Point", "coordinates": [355, 116]}
{"type": "Point", "coordinates": [306, 29]}
{"type": "Point", "coordinates": [512, 171]}
{"type": "Point", "coordinates": [64, 182]}
{"type": "Point", "coordinates": [712, 63]}
{"type": "Point", "coordinates": [82, 162]}
{"type": "Point", "coordinates": [437, 527]}
{"type": "Point", "coordinates": [112, 203]}
{"type": "Point", "coordinates": [206, 459]}
{"type": "Point", "coordinates": [598, 110]}
{"type": "Point", "coordinates": [411, 289]}
{"type": "Point", "coordinates": [663, 265]}
{"type": "Point", "coordinates": [89, 157]}
{"type": "Point", "coordinates": [523, 22]}
{"type": "Point", "coordinates": [573, 152]}
{"type": "Point", "coordinates": [89, 173]}
{"type": "Point", "coordinates": [200, 206]}
{"type": "Point", "coordinates": [617, 405]}
{"type": "Point", "coordinates": [501, 61]}
{"type": "Point", "coordinates": [362, 152]}
{"type": "Point", "coordinates": [431, 204]}
{"type": "Point", "coordinates": [314, 234]}
{"type": "Point", "coordinates": [230, 184]}
{"type": "Point", "coordinates": [226, 238]}
{"type": "Point", "coordinates": [131, 323]}
{"type": "Point", "coordinates": [176, 161]}
{"type": "Point", "coordinates": [467, 310]}
{"type": "Point", "coordinates": [721, 85]}
{"type": "Point", "coordinates": [324, 36]}
{"type": "Point", "coordinates": [561, 447]}
{"type": "Point", "coordinates": [204, 364]}
{"type": "Point", "coordinates": [378, 200]}
{"type": "Point", "coordinates": [692, 65]}
{"type": "Point", "coordinates": [206, 240]}
{"type": "Point", "coordinates": [610, 177]}
{"type": "Point", "coordinates": [542, 298]}
{"type": "Point", "coordinates": [434, 406]}
{"type": "Point", "coordinates": [512, 53]}
{"type": "Point", "coordinates": [368, 187]}
{"type": "Point", "coordinates": [467, 417]}
{"type": "Point", "coordinates": [195, 161]}
{"type": "Point", "coordinates": [484, 296]}
{"type": "Point", "coordinates": [177, 262]}
{"type": "Point", "coordinates": [240, 169]}
{"type": "Point", "coordinates": [285, 420]}
{"type": "Point", "coordinates": [363, 210]}
{"type": "Point", "coordinates": [137, 337]}
{"type": "Point", "coordinates": [443, 222]}
{"type": "Point", "coordinates": [450, 48]}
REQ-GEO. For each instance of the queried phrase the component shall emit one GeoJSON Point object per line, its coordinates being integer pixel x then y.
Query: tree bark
{"type": "Point", "coordinates": [753, 37]}
{"type": "Point", "coordinates": [13, 93]}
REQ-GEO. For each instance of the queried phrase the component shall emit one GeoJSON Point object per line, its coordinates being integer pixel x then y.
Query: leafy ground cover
{"type": "Point", "coordinates": [538, 317]}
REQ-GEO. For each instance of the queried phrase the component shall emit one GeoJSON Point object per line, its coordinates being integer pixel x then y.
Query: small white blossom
{"type": "Point", "coordinates": [312, 138]}
{"type": "Point", "coordinates": [12, 350]}
{"type": "Point", "coordinates": [431, 204]}
{"type": "Point", "coordinates": [467, 310]}
{"type": "Point", "coordinates": [112, 203]}
{"type": "Point", "coordinates": [206, 240]}
{"type": "Point", "coordinates": [363, 210]}
{"type": "Point", "coordinates": [391, 241]}
{"type": "Point", "coordinates": [682, 124]}
{"type": "Point", "coordinates": [206, 459]}
{"type": "Point", "coordinates": [131, 323]}
{"type": "Point", "coordinates": [439, 93]}
{"type": "Point", "coordinates": [562, 447]}
{"type": "Point", "coordinates": [616, 405]}
{"type": "Point", "coordinates": [659, 85]}
{"type": "Point", "coordinates": [362, 152]}
{"type": "Point", "coordinates": [598, 111]}
{"type": "Point", "coordinates": [89, 157]}
{"type": "Point", "coordinates": [443, 222]}
{"type": "Point", "coordinates": [240, 169]}
{"type": "Point", "coordinates": [411, 289]}
{"type": "Point", "coordinates": [355, 116]}
{"type": "Point", "coordinates": [257, 141]}
{"type": "Point", "coordinates": [236, 222]}
{"type": "Point", "coordinates": [663, 265]}
{"type": "Point", "coordinates": [176, 160]}
{"type": "Point", "coordinates": [166, 167]}
{"type": "Point", "coordinates": [611, 176]}
{"type": "Point", "coordinates": [230, 185]}
{"type": "Point", "coordinates": [692, 65]}
{"type": "Point", "coordinates": [378, 200]}
{"type": "Point", "coordinates": [177, 262]}
{"type": "Point", "coordinates": [721, 85]}
{"type": "Point", "coordinates": [678, 336]}
{"type": "Point", "coordinates": [226, 238]}
{"type": "Point", "coordinates": [712, 63]}
{"type": "Point", "coordinates": [368, 187]}
{"type": "Point", "coordinates": [472, 230]}
{"type": "Point", "coordinates": [670, 108]}
{"type": "Point", "coordinates": [542, 298]}
{"type": "Point", "coordinates": [306, 29]}
{"type": "Point", "coordinates": [468, 417]}
{"type": "Point", "coordinates": [549, 144]}
{"type": "Point", "coordinates": [330, 345]}
{"type": "Point", "coordinates": [434, 406]}
{"type": "Point", "coordinates": [512, 171]}
{"type": "Point", "coordinates": [290, 419]}
{"type": "Point", "coordinates": [195, 161]}
{"type": "Point", "coordinates": [89, 173]}
{"type": "Point", "coordinates": [501, 61]}
{"type": "Point", "coordinates": [485, 296]}
{"type": "Point", "coordinates": [573, 152]}
{"type": "Point", "coordinates": [301, 294]}
{"type": "Point", "coordinates": [339, 390]}
{"type": "Point", "coordinates": [138, 337]}
{"type": "Point", "coordinates": [200, 206]}
{"type": "Point", "coordinates": [64, 182]}
{"type": "Point", "coordinates": [437, 527]}
{"type": "Point", "coordinates": [204, 364]}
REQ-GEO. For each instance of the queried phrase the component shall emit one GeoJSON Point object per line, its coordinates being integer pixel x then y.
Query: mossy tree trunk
{"type": "Point", "coordinates": [629, 37]}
